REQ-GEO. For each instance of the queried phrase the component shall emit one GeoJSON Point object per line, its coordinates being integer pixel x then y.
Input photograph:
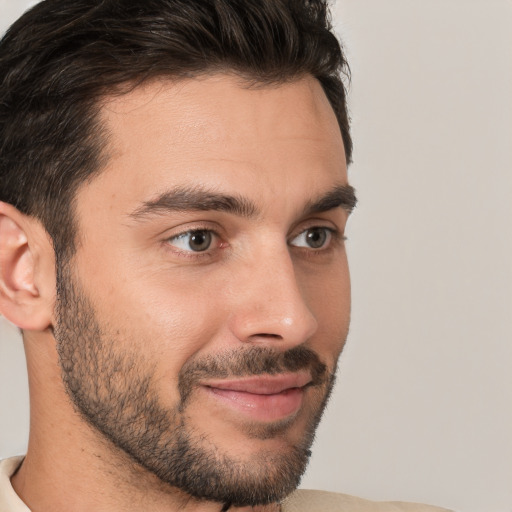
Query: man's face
{"type": "Point", "coordinates": [202, 316]}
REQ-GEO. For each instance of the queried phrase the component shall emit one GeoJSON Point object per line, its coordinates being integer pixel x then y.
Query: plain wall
{"type": "Point", "coordinates": [423, 405]}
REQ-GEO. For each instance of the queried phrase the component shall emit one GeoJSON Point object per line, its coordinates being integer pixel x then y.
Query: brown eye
{"type": "Point", "coordinates": [196, 241]}
{"type": "Point", "coordinates": [316, 237]}
{"type": "Point", "coordinates": [200, 240]}
{"type": "Point", "coordinates": [313, 238]}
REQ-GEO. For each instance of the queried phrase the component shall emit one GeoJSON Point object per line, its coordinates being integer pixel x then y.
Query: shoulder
{"type": "Point", "coordinates": [9, 500]}
{"type": "Point", "coordinates": [322, 501]}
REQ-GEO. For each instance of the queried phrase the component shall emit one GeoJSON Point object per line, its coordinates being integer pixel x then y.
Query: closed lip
{"type": "Point", "coordinates": [262, 384]}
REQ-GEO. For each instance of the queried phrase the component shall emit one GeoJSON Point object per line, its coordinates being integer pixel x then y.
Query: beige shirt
{"type": "Point", "coordinates": [299, 501]}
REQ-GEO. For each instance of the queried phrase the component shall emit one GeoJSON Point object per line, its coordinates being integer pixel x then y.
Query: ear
{"type": "Point", "coordinates": [27, 271]}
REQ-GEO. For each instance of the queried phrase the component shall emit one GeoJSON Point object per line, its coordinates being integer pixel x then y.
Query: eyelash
{"type": "Point", "coordinates": [336, 239]}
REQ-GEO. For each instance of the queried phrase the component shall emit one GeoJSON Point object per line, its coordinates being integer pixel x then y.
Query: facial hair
{"type": "Point", "coordinates": [115, 392]}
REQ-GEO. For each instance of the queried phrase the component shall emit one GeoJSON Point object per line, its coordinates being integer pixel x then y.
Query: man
{"type": "Point", "coordinates": [174, 196]}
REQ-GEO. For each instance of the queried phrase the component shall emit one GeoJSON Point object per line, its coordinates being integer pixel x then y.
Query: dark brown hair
{"type": "Point", "coordinates": [61, 57]}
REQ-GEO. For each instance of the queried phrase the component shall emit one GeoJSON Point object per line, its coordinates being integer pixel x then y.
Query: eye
{"type": "Point", "coordinates": [197, 240]}
{"type": "Point", "coordinates": [313, 238]}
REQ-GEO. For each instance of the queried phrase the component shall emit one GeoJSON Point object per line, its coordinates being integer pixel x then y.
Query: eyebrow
{"type": "Point", "coordinates": [341, 196]}
{"type": "Point", "coordinates": [184, 199]}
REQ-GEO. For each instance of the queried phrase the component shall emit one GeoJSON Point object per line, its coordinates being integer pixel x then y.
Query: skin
{"type": "Point", "coordinates": [153, 296]}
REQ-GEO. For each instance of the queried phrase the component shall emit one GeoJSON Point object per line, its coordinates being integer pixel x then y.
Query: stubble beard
{"type": "Point", "coordinates": [116, 394]}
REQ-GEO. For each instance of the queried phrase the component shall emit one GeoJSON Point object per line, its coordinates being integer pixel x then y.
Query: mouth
{"type": "Point", "coordinates": [263, 398]}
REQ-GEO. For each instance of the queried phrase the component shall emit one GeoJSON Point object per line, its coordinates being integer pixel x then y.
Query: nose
{"type": "Point", "coordinates": [270, 306]}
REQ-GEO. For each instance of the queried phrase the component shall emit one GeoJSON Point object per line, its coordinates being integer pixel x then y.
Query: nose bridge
{"type": "Point", "coordinates": [271, 308]}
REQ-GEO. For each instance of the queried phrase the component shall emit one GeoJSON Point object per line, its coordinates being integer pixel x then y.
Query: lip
{"type": "Point", "coordinates": [264, 398]}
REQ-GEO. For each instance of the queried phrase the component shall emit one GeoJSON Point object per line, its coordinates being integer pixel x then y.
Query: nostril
{"type": "Point", "coordinates": [267, 335]}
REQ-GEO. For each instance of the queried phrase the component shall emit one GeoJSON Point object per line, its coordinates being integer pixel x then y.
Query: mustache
{"type": "Point", "coordinates": [252, 361]}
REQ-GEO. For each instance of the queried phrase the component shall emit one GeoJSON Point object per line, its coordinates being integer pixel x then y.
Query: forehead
{"type": "Point", "coordinates": [206, 111]}
{"type": "Point", "coordinates": [219, 132]}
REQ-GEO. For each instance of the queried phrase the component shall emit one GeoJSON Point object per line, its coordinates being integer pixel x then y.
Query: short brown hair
{"type": "Point", "coordinates": [61, 57]}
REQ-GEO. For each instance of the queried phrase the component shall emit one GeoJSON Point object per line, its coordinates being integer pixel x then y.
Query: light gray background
{"type": "Point", "coordinates": [423, 406]}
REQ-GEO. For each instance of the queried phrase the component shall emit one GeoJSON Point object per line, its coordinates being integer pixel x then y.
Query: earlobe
{"type": "Point", "coordinates": [23, 300]}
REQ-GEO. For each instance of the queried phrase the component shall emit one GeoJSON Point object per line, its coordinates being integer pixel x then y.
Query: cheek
{"type": "Point", "coordinates": [326, 289]}
{"type": "Point", "coordinates": [177, 326]}
{"type": "Point", "coordinates": [160, 321]}
{"type": "Point", "coordinates": [327, 294]}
